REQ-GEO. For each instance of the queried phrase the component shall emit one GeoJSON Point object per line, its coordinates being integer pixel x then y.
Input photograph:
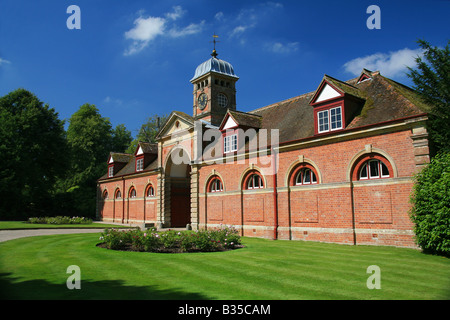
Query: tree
{"type": "Point", "coordinates": [90, 139]}
{"type": "Point", "coordinates": [32, 153]}
{"type": "Point", "coordinates": [121, 138]}
{"type": "Point", "coordinates": [148, 131]}
{"type": "Point", "coordinates": [431, 206]}
{"type": "Point", "coordinates": [432, 82]}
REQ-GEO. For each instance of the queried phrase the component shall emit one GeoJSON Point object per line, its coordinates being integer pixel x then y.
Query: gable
{"type": "Point", "coordinates": [177, 121]}
{"type": "Point", "coordinates": [140, 151]}
{"type": "Point", "coordinates": [327, 93]}
{"type": "Point", "coordinates": [230, 123]}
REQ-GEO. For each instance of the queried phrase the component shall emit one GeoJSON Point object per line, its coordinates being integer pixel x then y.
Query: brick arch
{"type": "Point", "coordinates": [116, 192]}
{"type": "Point", "coordinates": [131, 189]}
{"type": "Point", "coordinates": [298, 164]}
{"type": "Point", "coordinates": [168, 161]}
{"type": "Point", "coordinates": [147, 187]}
{"type": "Point", "coordinates": [210, 178]}
{"type": "Point", "coordinates": [248, 173]}
{"type": "Point", "coordinates": [370, 153]}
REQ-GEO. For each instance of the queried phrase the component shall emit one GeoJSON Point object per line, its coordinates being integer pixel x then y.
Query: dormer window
{"type": "Point", "coordinates": [335, 105]}
{"type": "Point", "coordinates": [230, 143]}
{"type": "Point", "coordinates": [140, 164]}
{"type": "Point", "coordinates": [110, 171]}
{"type": "Point", "coordinates": [329, 120]}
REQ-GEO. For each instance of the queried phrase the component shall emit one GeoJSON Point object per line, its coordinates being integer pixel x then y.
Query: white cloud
{"type": "Point", "coordinates": [147, 29]}
{"type": "Point", "coordinates": [389, 64]}
{"type": "Point", "coordinates": [238, 30]}
{"type": "Point", "coordinates": [4, 61]}
{"type": "Point", "coordinates": [250, 17]}
{"type": "Point", "coordinates": [110, 100]}
{"type": "Point", "coordinates": [193, 28]}
{"type": "Point", "coordinates": [279, 47]}
{"type": "Point", "coordinates": [178, 12]}
{"type": "Point", "coordinates": [219, 16]}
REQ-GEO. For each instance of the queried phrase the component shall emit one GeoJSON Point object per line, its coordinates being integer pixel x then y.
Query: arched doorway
{"type": "Point", "coordinates": [177, 177]}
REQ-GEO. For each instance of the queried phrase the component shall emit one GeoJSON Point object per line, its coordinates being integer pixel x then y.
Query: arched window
{"type": "Point", "coordinates": [132, 193]}
{"type": "Point", "coordinates": [370, 166]}
{"type": "Point", "coordinates": [303, 174]}
{"type": "Point", "coordinates": [105, 194]}
{"type": "Point", "coordinates": [150, 191]}
{"type": "Point", "coordinates": [118, 194]}
{"type": "Point", "coordinates": [215, 184]}
{"type": "Point", "coordinates": [373, 169]}
{"type": "Point", "coordinates": [253, 181]}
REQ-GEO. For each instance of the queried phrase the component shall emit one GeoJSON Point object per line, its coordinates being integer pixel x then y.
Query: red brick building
{"type": "Point", "coordinates": [333, 165]}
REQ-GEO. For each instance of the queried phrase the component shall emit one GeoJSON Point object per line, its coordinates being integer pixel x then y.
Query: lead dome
{"type": "Point", "coordinates": [214, 65]}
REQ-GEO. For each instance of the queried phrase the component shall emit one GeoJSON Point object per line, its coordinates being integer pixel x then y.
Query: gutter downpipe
{"type": "Point", "coordinates": [275, 196]}
{"type": "Point", "coordinates": [123, 200]}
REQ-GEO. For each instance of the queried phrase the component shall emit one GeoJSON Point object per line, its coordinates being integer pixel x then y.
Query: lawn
{"type": "Point", "coordinates": [18, 225]}
{"type": "Point", "coordinates": [35, 268]}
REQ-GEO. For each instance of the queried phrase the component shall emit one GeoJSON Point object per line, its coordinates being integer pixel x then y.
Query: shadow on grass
{"type": "Point", "coordinates": [13, 289]}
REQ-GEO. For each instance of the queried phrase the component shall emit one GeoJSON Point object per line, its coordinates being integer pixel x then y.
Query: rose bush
{"type": "Point", "coordinates": [219, 239]}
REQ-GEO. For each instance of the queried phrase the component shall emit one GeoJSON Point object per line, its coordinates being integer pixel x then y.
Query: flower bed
{"type": "Point", "coordinates": [219, 239]}
{"type": "Point", "coordinates": [60, 220]}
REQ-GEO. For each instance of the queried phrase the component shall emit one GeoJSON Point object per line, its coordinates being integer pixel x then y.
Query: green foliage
{"type": "Point", "coordinates": [121, 138]}
{"type": "Point", "coordinates": [90, 138]}
{"type": "Point", "coordinates": [60, 220]}
{"type": "Point", "coordinates": [432, 82]}
{"type": "Point", "coordinates": [431, 206]}
{"type": "Point", "coordinates": [219, 239]}
{"type": "Point", "coordinates": [32, 154]}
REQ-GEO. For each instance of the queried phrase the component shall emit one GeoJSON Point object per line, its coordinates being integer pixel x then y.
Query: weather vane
{"type": "Point", "coordinates": [214, 53]}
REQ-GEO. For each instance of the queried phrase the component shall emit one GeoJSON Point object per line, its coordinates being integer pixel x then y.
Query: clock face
{"type": "Point", "coordinates": [222, 100]}
{"type": "Point", "coordinates": [202, 101]}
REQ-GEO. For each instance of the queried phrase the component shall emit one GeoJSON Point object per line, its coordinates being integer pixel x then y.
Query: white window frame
{"type": "Point", "coordinates": [111, 171]}
{"type": "Point", "coordinates": [251, 184]}
{"type": "Point", "coordinates": [331, 121]}
{"type": "Point", "coordinates": [216, 185]}
{"type": "Point", "coordinates": [150, 192]}
{"type": "Point", "coordinates": [302, 175]}
{"type": "Point", "coordinates": [327, 119]}
{"type": "Point", "coordinates": [230, 143]}
{"type": "Point", "coordinates": [139, 164]}
{"type": "Point", "coordinates": [327, 123]}
{"type": "Point", "coordinates": [369, 170]}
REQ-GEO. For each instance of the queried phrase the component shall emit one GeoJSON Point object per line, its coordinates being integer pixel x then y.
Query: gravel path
{"type": "Point", "coordinates": [6, 235]}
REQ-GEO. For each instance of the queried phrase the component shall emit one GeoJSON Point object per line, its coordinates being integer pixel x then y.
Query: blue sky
{"type": "Point", "coordinates": [134, 59]}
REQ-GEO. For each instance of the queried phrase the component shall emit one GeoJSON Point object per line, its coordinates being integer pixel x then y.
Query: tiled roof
{"type": "Point", "coordinates": [384, 100]}
{"type": "Point", "coordinates": [148, 147]}
{"type": "Point", "coordinates": [120, 157]}
{"type": "Point", "coordinates": [246, 119]}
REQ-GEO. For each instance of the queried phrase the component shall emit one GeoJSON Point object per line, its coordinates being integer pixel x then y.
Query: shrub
{"type": "Point", "coordinates": [223, 238]}
{"type": "Point", "coordinates": [431, 206]}
{"type": "Point", "coordinates": [116, 239]}
{"type": "Point", "coordinates": [60, 220]}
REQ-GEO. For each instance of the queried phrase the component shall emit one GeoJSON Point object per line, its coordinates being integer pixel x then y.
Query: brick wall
{"type": "Point", "coordinates": [336, 209]}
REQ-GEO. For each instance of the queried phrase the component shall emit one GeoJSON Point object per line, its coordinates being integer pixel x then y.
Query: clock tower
{"type": "Point", "coordinates": [214, 89]}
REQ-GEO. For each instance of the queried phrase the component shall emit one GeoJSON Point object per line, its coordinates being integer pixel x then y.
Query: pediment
{"type": "Point", "coordinates": [178, 122]}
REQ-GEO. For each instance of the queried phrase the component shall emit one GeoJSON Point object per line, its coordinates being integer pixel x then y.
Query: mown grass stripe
{"type": "Point", "coordinates": [265, 269]}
